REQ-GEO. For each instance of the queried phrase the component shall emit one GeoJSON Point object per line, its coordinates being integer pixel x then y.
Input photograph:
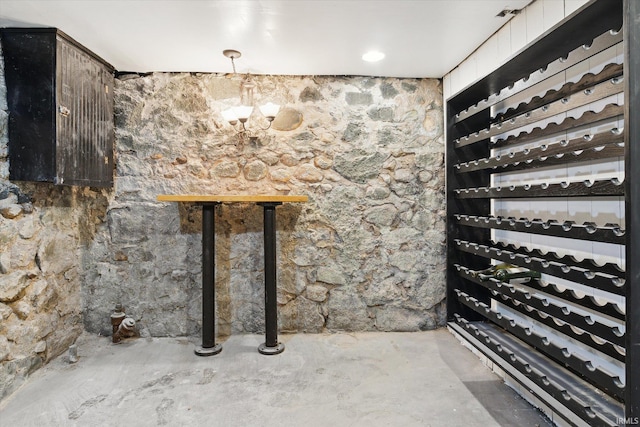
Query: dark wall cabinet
{"type": "Point", "coordinates": [60, 99]}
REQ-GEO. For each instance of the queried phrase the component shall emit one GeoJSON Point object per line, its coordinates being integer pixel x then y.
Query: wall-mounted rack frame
{"type": "Point", "coordinates": [571, 338]}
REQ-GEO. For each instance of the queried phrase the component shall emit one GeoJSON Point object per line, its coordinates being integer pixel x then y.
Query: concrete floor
{"type": "Point", "coordinates": [365, 379]}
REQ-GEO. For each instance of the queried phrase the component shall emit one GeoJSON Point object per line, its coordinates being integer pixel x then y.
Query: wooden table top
{"type": "Point", "coordinates": [231, 198]}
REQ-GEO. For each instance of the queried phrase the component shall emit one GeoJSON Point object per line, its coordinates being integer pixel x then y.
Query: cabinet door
{"type": "Point", "coordinates": [28, 60]}
{"type": "Point", "coordinates": [84, 118]}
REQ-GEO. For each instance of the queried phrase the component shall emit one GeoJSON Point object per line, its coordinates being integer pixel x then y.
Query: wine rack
{"type": "Point", "coordinates": [552, 127]}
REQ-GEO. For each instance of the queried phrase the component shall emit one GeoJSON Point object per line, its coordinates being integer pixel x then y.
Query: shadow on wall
{"type": "Point", "coordinates": [86, 206]}
{"type": "Point", "coordinates": [239, 249]}
{"type": "Point", "coordinates": [236, 218]}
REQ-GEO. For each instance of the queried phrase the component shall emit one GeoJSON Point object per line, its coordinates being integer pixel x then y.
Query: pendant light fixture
{"type": "Point", "coordinates": [242, 112]}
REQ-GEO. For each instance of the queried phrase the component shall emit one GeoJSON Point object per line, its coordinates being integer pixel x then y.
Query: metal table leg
{"type": "Point", "coordinates": [271, 345]}
{"type": "Point", "coordinates": [209, 346]}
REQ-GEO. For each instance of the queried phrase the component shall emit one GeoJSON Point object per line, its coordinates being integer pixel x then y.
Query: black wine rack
{"type": "Point", "coordinates": [572, 336]}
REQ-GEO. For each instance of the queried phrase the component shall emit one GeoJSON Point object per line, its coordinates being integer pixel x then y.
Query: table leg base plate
{"type": "Point", "coordinates": [269, 351]}
{"type": "Point", "coordinates": [210, 351]}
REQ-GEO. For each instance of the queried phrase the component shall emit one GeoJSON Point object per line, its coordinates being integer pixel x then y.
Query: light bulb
{"type": "Point", "coordinates": [243, 112]}
{"type": "Point", "coordinates": [269, 110]}
{"type": "Point", "coordinates": [230, 116]}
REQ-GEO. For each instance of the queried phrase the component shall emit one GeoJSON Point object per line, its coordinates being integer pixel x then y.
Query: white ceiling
{"type": "Point", "coordinates": [421, 38]}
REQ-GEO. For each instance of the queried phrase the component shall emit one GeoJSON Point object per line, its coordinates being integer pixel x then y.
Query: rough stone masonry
{"type": "Point", "coordinates": [43, 230]}
{"type": "Point", "coordinates": [366, 252]}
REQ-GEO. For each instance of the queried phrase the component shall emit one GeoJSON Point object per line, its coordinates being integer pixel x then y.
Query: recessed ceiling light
{"type": "Point", "coordinates": [373, 56]}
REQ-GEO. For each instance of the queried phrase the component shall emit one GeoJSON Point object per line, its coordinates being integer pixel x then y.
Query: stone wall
{"type": "Point", "coordinates": [366, 253]}
{"type": "Point", "coordinates": [43, 230]}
